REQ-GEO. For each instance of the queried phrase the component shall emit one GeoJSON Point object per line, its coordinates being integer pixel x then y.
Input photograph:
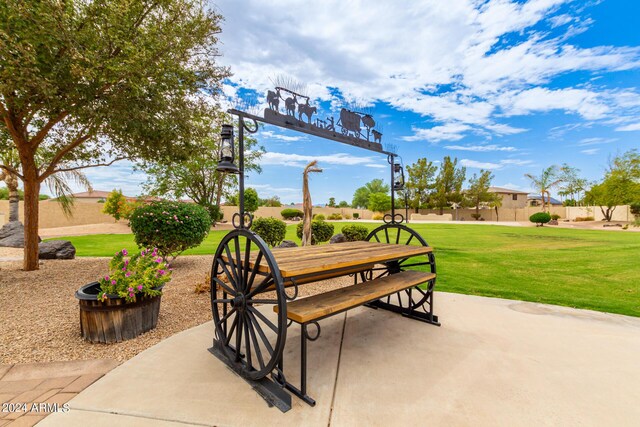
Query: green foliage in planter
{"type": "Point", "coordinates": [321, 231]}
{"type": "Point", "coordinates": [290, 213]}
{"type": "Point", "coordinates": [540, 218]}
{"type": "Point", "coordinates": [172, 227]}
{"type": "Point", "coordinates": [272, 230]}
{"type": "Point", "coordinates": [555, 217]}
{"type": "Point", "coordinates": [133, 277]}
{"type": "Point", "coordinates": [355, 232]}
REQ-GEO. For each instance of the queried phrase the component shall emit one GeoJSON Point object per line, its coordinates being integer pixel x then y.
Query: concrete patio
{"type": "Point", "coordinates": [493, 362]}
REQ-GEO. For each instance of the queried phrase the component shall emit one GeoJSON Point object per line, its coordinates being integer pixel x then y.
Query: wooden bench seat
{"type": "Point", "coordinates": [322, 305]}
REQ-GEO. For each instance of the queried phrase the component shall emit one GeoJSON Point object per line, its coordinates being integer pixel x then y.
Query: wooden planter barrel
{"type": "Point", "coordinates": [114, 320]}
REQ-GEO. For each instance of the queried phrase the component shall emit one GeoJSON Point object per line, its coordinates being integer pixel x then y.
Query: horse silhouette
{"type": "Point", "coordinates": [290, 106]}
{"type": "Point", "coordinates": [273, 99]}
{"type": "Point", "coordinates": [307, 110]}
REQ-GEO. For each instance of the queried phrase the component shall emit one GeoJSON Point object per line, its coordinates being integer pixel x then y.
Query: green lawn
{"type": "Point", "coordinates": [598, 270]}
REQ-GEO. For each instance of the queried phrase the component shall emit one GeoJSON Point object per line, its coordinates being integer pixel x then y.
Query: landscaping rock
{"type": "Point", "coordinates": [11, 228]}
{"type": "Point", "coordinates": [553, 222]}
{"type": "Point", "coordinates": [56, 249]}
{"type": "Point", "coordinates": [338, 238]}
{"type": "Point", "coordinates": [287, 244]}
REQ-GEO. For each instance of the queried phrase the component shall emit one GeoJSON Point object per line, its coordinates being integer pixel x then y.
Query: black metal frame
{"type": "Point", "coordinates": [269, 379]}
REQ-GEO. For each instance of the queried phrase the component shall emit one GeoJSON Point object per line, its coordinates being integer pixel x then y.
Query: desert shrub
{"type": "Point", "coordinates": [334, 217]}
{"type": "Point", "coordinates": [635, 209]}
{"type": "Point", "coordinates": [377, 216]}
{"type": "Point", "coordinates": [272, 230]}
{"type": "Point", "coordinates": [555, 217]}
{"type": "Point", "coordinates": [215, 213]}
{"type": "Point", "coordinates": [172, 227]}
{"type": "Point", "coordinates": [584, 218]}
{"type": "Point", "coordinates": [476, 216]}
{"type": "Point", "coordinates": [290, 213]}
{"type": "Point", "coordinates": [356, 215]}
{"type": "Point", "coordinates": [117, 206]}
{"type": "Point", "coordinates": [321, 231]}
{"type": "Point", "coordinates": [540, 218]}
{"type": "Point", "coordinates": [347, 216]}
{"type": "Point", "coordinates": [355, 232]}
{"type": "Point", "coordinates": [319, 217]}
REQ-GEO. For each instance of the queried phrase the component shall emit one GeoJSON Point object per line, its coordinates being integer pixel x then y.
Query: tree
{"type": "Point", "coordinates": [621, 184]}
{"type": "Point", "coordinates": [343, 204]}
{"type": "Point", "coordinates": [478, 192]}
{"type": "Point", "coordinates": [420, 181]}
{"type": "Point", "coordinates": [379, 202]}
{"type": "Point", "coordinates": [250, 200]}
{"type": "Point", "coordinates": [196, 177]}
{"type": "Point", "coordinates": [448, 186]}
{"type": "Point", "coordinates": [571, 185]}
{"type": "Point", "coordinates": [361, 195]}
{"type": "Point", "coordinates": [332, 202]}
{"type": "Point", "coordinates": [272, 202]}
{"type": "Point", "coordinates": [116, 205]}
{"type": "Point", "coordinates": [90, 83]}
{"type": "Point", "coordinates": [548, 179]}
{"type": "Point", "coordinates": [306, 203]}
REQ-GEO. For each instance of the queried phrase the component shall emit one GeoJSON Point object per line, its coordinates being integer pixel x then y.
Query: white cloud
{"type": "Point", "coordinates": [629, 128]}
{"type": "Point", "coordinates": [590, 151]}
{"type": "Point", "coordinates": [447, 132]}
{"type": "Point", "coordinates": [480, 148]}
{"type": "Point", "coordinates": [273, 135]}
{"type": "Point", "coordinates": [595, 141]}
{"type": "Point", "coordinates": [300, 161]}
{"type": "Point", "coordinates": [492, 165]}
{"type": "Point", "coordinates": [346, 45]}
{"type": "Point", "coordinates": [376, 165]}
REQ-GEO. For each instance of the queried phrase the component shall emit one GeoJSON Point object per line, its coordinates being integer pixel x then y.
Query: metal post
{"type": "Point", "coordinates": [241, 167]}
{"type": "Point", "coordinates": [391, 159]}
{"type": "Point", "coordinates": [303, 359]}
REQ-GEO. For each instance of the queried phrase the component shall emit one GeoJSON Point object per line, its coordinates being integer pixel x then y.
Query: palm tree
{"type": "Point", "coordinates": [546, 181]}
{"type": "Point", "coordinates": [306, 203]}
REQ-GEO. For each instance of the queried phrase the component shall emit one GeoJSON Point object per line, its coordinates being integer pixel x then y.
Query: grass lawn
{"type": "Point", "coordinates": [598, 270]}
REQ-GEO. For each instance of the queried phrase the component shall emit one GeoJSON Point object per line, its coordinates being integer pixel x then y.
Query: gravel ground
{"type": "Point", "coordinates": [39, 320]}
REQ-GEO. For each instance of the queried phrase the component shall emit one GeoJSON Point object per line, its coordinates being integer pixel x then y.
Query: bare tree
{"type": "Point", "coordinates": [306, 202]}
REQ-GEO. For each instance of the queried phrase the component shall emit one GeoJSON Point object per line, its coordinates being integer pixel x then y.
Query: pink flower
{"type": "Point", "coordinates": [159, 260]}
{"type": "Point", "coordinates": [106, 278]}
{"type": "Point", "coordinates": [161, 272]}
{"type": "Point", "coordinates": [124, 268]}
{"type": "Point", "coordinates": [130, 289]}
{"type": "Point", "coordinates": [131, 295]}
{"type": "Point", "coordinates": [127, 274]}
{"type": "Point", "coordinates": [139, 287]}
{"type": "Point", "coordinates": [124, 252]}
{"type": "Point", "coordinates": [113, 282]}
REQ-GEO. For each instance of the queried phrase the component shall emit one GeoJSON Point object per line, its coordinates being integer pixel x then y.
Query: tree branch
{"type": "Point", "coordinates": [42, 133]}
{"type": "Point", "coordinates": [66, 150]}
{"type": "Point", "coordinates": [75, 168]}
{"type": "Point", "coordinates": [11, 170]}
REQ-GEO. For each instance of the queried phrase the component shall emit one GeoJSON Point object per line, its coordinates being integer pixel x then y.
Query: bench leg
{"type": "Point", "coordinates": [302, 392]}
{"type": "Point", "coordinates": [411, 309]}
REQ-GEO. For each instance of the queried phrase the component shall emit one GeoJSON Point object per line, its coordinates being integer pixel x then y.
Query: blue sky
{"type": "Point", "coordinates": [511, 86]}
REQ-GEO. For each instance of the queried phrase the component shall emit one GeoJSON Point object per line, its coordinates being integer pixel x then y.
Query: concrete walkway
{"type": "Point", "coordinates": [29, 392]}
{"type": "Point", "coordinates": [493, 362]}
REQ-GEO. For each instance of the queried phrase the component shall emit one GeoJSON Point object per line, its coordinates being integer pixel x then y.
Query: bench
{"type": "Point", "coordinates": [314, 308]}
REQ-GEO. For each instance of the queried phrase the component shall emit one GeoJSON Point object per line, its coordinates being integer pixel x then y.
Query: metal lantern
{"type": "Point", "coordinates": [227, 151]}
{"type": "Point", "coordinates": [398, 177]}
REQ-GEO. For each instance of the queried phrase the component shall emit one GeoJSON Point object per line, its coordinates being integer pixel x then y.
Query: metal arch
{"type": "Point", "coordinates": [234, 312]}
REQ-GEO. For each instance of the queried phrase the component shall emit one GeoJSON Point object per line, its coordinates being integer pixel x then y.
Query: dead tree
{"type": "Point", "coordinates": [306, 202]}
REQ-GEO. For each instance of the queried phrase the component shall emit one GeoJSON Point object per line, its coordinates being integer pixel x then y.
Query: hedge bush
{"type": "Point", "coordinates": [635, 208]}
{"type": "Point", "coordinates": [272, 230]}
{"type": "Point", "coordinates": [334, 217]}
{"type": "Point", "coordinates": [215, 213]}
{"type": "Point", "coordinates": [291, 213]}
{"type": "Point", "coordinates": [355, 232]}
{"type": "Point", "coordinates": [321, 231]}
{"type": "Point", "coordinates": [172, 227]}
{"type": "Point", "coordinates": [540, 218]}
{"type": "Point", "coordinates": [584, 218]}
{"type": "Point", "coordinates": [377, 216]}
{"type": "Point", "coordinates": [555, 217]}
{"type": "Point", "coordinates": [319, 217]}
{"type": "Point", "coordinates": [356, 215]}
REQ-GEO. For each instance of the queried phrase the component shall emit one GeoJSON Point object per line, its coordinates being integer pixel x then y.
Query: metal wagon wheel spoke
{"type": "Point", "coordinates": [400, 234]}
{"type": "Point", "coordinates": [246, 330]}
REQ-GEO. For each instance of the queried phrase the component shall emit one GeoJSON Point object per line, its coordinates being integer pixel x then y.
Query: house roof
{"type": "Point", "coordinates": [538, 197]}
{"type": "Point", "coordinates": [92, 194]}
{"type": "Point", "coordinates": [505, 190]}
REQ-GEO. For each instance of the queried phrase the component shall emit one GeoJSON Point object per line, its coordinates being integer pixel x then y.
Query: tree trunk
{"type": "Point", "coordinates": [31, 192]}
{"type": "Point", "coordinates": [14, 198]}
{"type": "Point", "coordinates": [306, 203]}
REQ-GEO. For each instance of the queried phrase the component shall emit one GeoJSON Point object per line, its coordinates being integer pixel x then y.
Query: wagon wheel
{"type": "Point", "coordinates": [248, 337]}
{"type": "Point", "coordinates": [402, 235]}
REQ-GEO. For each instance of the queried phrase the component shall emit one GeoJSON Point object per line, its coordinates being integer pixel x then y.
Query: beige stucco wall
{"type": "Point", "coordinates": [509, 203]}
{"type": "Point", "coordinates": [275, 212]}
{"type": "Point", "coordinates": [621, 213]}
{"type": "Point", "coordinates": [51, 215]}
